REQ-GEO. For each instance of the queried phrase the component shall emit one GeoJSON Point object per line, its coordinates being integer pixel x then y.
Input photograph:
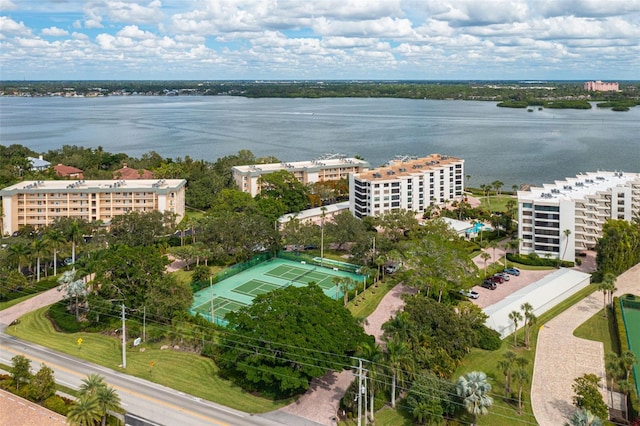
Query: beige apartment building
{"type": "Point", "coordinates": [39, 203]}
{"type": "Point", "coordinates": [406, 184]}
{"type": "Point", "coordinates": [247, 178]}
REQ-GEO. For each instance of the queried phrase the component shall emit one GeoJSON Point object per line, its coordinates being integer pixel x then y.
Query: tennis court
{"type": "Point", "coordinates": [631, 317]}
{"type": "Point", "coordinates": [239, 290]}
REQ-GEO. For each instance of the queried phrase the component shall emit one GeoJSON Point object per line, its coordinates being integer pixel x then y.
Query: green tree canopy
{"type": "Point", "coordinates": [285, 339]}
{"type": "Point", "coordinates": [619, 247]}
{"type": "Point", "coordinates": [285, 187]}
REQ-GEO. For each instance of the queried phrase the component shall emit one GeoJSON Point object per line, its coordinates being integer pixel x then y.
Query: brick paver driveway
{"type": "Point", "coordinates": [561, 357]}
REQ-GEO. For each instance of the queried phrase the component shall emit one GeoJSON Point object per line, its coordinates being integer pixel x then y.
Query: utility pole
{"type": "Point", "coordinates": [359, 391]}
{"type": "Point", "coordinates": [124, 341]}
{"type": "Point", "coordinates": [144, 322]}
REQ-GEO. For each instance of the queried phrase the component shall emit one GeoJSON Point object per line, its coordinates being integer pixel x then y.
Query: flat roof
{"type": "Point", "coordinates": [413, 166]}
{"type": "Point", "coordinates": [330, 209]}
{"type": "Point", "coordinates": [577, 188]}
{"type": "Point", "coordinates": [35, 186]}
{"type": "Point", "coordinates": [303, 165]}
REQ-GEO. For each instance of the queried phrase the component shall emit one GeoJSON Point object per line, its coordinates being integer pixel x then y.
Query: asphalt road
{"type": "Point", "coordinates": [154, 402]}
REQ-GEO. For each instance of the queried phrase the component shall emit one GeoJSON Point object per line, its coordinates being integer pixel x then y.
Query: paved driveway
{"type": "Point", "coordinates": [561, 357]}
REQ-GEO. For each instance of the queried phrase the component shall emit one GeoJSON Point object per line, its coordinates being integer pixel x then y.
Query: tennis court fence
{"type": "Point", "coordinates": [232, 270]}
{"type": "Point", "coordinates": [341, 266]}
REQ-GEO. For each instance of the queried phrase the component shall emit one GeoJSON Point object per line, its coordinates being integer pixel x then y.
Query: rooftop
{"type": "Point", "coordinates": [409, 166]}
{"type": "Point", "coordinates": [77, 185]}
{"type": "Point", "coordinates": [577, 188]}
{"type": "Point", "coordinates": [323, 162]}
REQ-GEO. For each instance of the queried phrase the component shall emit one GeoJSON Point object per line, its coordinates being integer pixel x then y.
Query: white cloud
{"type": "Point", "coordinates": [54, 32]}
{"type": "Point", "coordinates": [12, 28]}
{"type": "Point", "coordinates": [6, 5]}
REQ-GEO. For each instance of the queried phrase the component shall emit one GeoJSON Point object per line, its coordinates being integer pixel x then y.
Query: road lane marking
{"type": "Point", "coordinates": [125, 390]}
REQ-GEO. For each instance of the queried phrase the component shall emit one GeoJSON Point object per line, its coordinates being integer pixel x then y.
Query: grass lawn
{"type": "Point", "coordinates": [199, 379]}
{"type": "Point", "coordinates": [496, 203]}
{"type": "Point", "coordinates": [504, 412]}
{"type": "Point", "coordinates": [367, 303]}
{"type": "Point", "coordinates": [385, 417]}
{"type": "Point", "coordinates": [599, 329]}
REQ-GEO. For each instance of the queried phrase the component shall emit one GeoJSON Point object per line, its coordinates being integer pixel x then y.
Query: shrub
{"type": "Point", "coordinates": [57, 404]}
{"type": "Point", "coordinates": [200, 273]}
{"type": "Point", "coordinates": [63, 320]}
{"type": "Point", "coordinates": [488, 339]}
{"type": "Point", "coordinates": [534, 260]}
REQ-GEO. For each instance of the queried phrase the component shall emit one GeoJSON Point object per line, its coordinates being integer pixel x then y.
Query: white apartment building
{"type": "Point", "coordinates": [408, 184]}
{"type": "Point", "coordinates": [566, 217]}
{"type": "Point", "coordinates": [39, 203]}
{"type": "Point", "coordinates": [333, 167]}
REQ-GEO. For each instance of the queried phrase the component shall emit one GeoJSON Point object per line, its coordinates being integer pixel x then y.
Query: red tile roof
{"type": "Point", "coordinates": [127, 173]}
{"type": "Point", "coordinates": [68, 171]}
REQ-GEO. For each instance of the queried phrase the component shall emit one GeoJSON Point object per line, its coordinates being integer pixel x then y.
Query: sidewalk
{"type": "Point", "coordinates": [561, 357]}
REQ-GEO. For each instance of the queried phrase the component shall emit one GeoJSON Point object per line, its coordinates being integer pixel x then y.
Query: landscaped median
{"type": "Point", "coordinates": [185, 372]}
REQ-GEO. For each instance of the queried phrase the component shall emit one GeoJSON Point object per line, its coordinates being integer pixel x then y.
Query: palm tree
{"type": "Point", "coordinates": [55, 239]}
{"type": "Point", "coordinates": [85, 412]}
{"type": "Point", "coordinates": [514, 245]}
{"type": "Point", "coordinates": [566, 233]}
{"type": "Point", "coordinates": [38, 248]}
{"type": "Point", "coordinates": [607, 285]}
{"type": "Point", "coordinates": [372, 353]}
{"type": "Point", "coordinates": [108, 400]}
{"type": "Point", "coordinates": [497, 185]}
{"type": "Point", "coordinates": [516, 317]}
{"type": "Point", "coordinates": [628, 360]}
{"type": "Point", "coordinates": [91, 384]}
{"type": "Point", "coordinates": [399, 362]}
{"type": "Point", "coordinates": [583, 417]}
{"type": "Point", "coordinates": [610, 286]}
{"type": "Point", "coordinates": [485, 256]}
{"type": "Point", "coordinates": [18, 253]}
{"type": "Point", "coordinates": [506, 365]}
{"type": "Point", "coordinates": [474, 388]}
{"type": "Point", "coordinates": [521, 377]}
{"type": "Point", "coordinates": [614, 370]}
{"type": "Point", "coordinates": [74, 234]}
{"type": "Point", "coordinates": [493, 245]}
{"type": "Point", "coordinates": [397, 327]}
{"type": "Point", "coordinates": [529, 319]}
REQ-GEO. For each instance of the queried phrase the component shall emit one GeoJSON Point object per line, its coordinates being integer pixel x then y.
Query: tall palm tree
{"type": "Point", "coordinates": [527, 309]}
{"type": "Point", "coordinates": [85, 411]}
{"type": "Point", "coordinates": [613, 367]}
{"type": "Point", "coordinates": [399, 362]}
{"type": "Point", "coordinates": [74, 234]}
{"type": "Point", "coordinates": [516, 317]}
{"type": "Point", "coordinates": [605, 286]}
{"type": "Point", "coordinates": [521, 376]}
{"type": "Point", "coordinates": [55, 238]}
{"type": "Point", "coordinates": [18, 253]}
{"type": "Point", "coordinates": [628, 360]}
{"type": "Point", "coordinates": [493, 245]}
{"type": "Point", "coordinates": [474, 388]}
{"type": "Point", "coordinates": [506, 366]}
{"type": "Point", "coordinates": [372, 353]}
{"type": "Point", "coordinates": [38, 248]}
{"type": "Point", "coordinates": [566, 233]}
{"type": "Point", "coordinates": [485, 256]}
{"type": "Point", "coordinates": [108, 400]}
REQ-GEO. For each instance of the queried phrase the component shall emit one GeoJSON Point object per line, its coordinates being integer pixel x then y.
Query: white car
{"type": "Point", "coordinates": [470, 294]}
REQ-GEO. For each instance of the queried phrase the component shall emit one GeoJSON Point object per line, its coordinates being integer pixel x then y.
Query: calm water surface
{"type": "Point", "coordinates": [511, 145]}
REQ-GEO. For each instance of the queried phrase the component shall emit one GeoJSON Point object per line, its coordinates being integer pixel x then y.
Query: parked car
{"type": "Point", "coordinates": [489, 284]}
{"type": "Point", "coordinates": [470, 294]}
{"type": "Point", "coordinates": [503, 275]}
{"type": "Point", "coordinates": [512, 271]}
{"type": "Point", "coordinates": [496, 279]}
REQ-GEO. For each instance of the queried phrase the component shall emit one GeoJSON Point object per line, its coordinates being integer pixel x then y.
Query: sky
{"type": "Point", "coordinates": [320, 40]}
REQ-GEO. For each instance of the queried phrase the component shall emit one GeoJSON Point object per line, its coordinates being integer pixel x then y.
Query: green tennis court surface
{"type": "Point", "coordinates": [632, 323]}
{"type": "Point", "coordinates": [239, 290]}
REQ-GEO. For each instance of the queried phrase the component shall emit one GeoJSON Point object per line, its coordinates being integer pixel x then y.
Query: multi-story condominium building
{"type": "Point", "coordinates": [39, 203]}
{"type": "Point", "coordinates": [408, 184]}
{"type": "Point", "coordinates": [333, 167]}
{"type": "Point", "coordinates": [599, 86]}
{"type": "Point", "coordinates": [566, 217]}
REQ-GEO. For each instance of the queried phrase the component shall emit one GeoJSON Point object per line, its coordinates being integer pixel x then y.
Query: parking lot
{"type": "Point", "coordinates": [489, 297]}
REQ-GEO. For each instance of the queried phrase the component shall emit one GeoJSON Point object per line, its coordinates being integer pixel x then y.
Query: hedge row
{"type": "Point", "coordinates": [42, 285]}
{"type": "Point", "coordinates": [535, 260]}
{"type": "Point", "coordinates": [624, 346]}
